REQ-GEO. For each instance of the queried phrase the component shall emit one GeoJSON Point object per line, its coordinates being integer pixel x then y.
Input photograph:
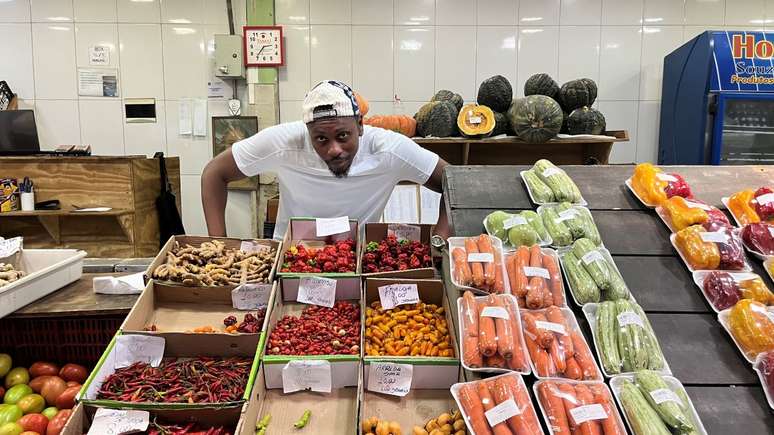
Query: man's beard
{"type": "Point", "coordinates": [339, 172]}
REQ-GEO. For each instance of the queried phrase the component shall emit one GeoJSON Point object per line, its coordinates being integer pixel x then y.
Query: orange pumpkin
{"type": "Point", "coordinates": [362, 103]}
{"type": "Point", "coordinates": [403, 124]}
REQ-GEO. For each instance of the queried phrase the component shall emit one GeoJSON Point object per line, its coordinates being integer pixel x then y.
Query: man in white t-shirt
{"type": "Point", "coordinates": [329, 165]}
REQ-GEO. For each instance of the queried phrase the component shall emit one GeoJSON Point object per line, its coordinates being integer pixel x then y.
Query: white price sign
{"type": "Point", "coordinates": [404, 232]}
{"type": "Point", "coordinates": [132, 348]}
{"type": "Point", "coordinates": [629, 318]}
{"type": "Point", "coordinates": [502, 412]}
{"type": "Point", "coordinates": [250, 296]}
{"type": "Point", "coordinates": [666, 177]}
{"type": "Point", "coordinates": [536, 271]}
{"type": "Point", "coordinates": [390, 378]}
{"type": "Point", "coordinates": [514, 221]}
{"type": "Point", "coordinates": [498, 312]}
{"type": "Point", "coordinates": [249, 247]}
{"type": "Point", "coordinates": [317, 290]}
{"type": "Point", "coordinates": [551, 171]}
{"type": "Point", "coordinates": [331, 226]}
{"type": "Point", "coordinates": [665, 395]}
{"type": "Point", "coordinates": [307, 374]}
{"type": "Point", "coordinates": [118, 421]}
{"type": "Point", "coordinates": [551, 326]}
{"type": "Point", "coordinates": [714, 237]}
{"type": "Point", "coordinates": [10, 246]}
{"type": "Point", "coordinates": [480, 257]}
{"type": "Point", "coordinates": [584, 413]}
{"type": "Point", "coordinates": [398, 294]}
{"type": "Point", "coordinates": [592, 256]}
{"type": "Point", "coordinates": [691, 204]}
{"type": "Point", "coordinates": [765, 198]}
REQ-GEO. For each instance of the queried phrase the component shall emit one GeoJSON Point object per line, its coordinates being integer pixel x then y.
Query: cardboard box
{"type": "Point", "coordinates": [376, 232]}
{"type": "Point", "coordinates": [161, 257]}
{"type": "Point", "coordinates": [414, 409]}
{"type": "Point", "coordinates": [344, 368]}
{"type": "Point", "coordinates": [304, 231]}
{"type": "Point", "coordinates": [180, 346]}
{"type": "Point", "coordinates": [175, 311]}
{"type": "Point", "coordinates": [428, 372]}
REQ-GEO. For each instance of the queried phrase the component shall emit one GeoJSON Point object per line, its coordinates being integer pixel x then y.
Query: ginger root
{"type": "Point", "coordinates": [8, 274]}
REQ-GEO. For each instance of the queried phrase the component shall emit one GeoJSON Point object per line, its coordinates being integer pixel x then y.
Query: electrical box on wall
{"type": "Point", "coordinates": [228, 56]}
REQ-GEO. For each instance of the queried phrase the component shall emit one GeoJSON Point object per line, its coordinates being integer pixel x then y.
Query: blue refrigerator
{"type": "Point", "coordinates": [717, 101]}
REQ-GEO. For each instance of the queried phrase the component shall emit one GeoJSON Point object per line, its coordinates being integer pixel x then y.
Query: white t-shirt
{"type": "Point", "coordinates": [309, 189]}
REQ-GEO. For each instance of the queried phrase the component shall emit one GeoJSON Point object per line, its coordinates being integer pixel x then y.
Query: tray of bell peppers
{"type": "Point", "coordinates": [724, 289]}
{"type": "Point", "coordinates": [750, 206]}
{"type": "Point", "coordinates": [679, 213]}
{"type": "Point", "coordinates": [711, 246]}
{"type": "Point", "coordinates": [652, 186]}
{"type": "Point", "coordinates": [758, 238]}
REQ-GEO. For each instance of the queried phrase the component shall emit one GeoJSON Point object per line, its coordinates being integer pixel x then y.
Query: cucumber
{"type": "Point", "coordinates": [598, 269]}
{"type": "Point", "coordinates": [631, 341]}
{"type": "Point", "coordinates": [606, 338]}
{"type": "Point", "coordinates": [618, 289]}
{"type": "Point", "coordinates": [581, 284]}
{"type": "Point", "coordinates": [536, 222]}
{"type": "Point", "coordinates": [655, 356]}
{"type": "Point", "coordinates": [688, 413]}
{"type": "Point", "coordinates": [560, 183]}
{"type": "Point", "coordinates": [671, 413]}
{"type": "Point", "coordinates": [590, 230]}
{"type": "Point", "coordinates": [574, 222]}
{"type": "Point", "coordinates": [540, 191]}
{"type": "Point", "coordinates": [642, 417]}
{"type": "Point", "coordinates": [558, 231]}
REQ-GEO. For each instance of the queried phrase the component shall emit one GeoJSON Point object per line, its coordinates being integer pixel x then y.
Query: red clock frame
{"type": "Point", "coordinates": [244, 46]}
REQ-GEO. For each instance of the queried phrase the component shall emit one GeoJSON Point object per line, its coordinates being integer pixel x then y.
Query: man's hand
{"type": "Point", "coordinates": [215, 178]}
{"type": "Point", "coordinates": [435, 183]}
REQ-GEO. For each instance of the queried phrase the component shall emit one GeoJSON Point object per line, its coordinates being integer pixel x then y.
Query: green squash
{"type": "Point", "coordinates": [496, 93]}
{"type": "Point", "coordinates": [577, 93]}
{"type": "Point", "coordinates": [564, 129]}
{"type": "Point", "coordinates": [502, 124]}
{"type": "Point", "coordinates": [536, 118]}
{"type": "Point", "coordinates": [445, 95]}
{"type": "Point", "coordinates": [475, 121]}
{"type": "Point", "coordinates": [541, 84]}
{"type": "Point", "coordinates": [437, 118]}
{"type": "Point", "coordinates": [586, 120]}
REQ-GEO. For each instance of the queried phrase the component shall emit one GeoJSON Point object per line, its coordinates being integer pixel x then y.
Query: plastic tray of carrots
{"type": "Point", "coordinates": [491, 338]}
{"type": "Point", "coordinates": [556, 346]}
{"type": "Point", "coordinates": [535, 278]}
{"type": "Point", "coordinates": [499, 405]}
{"type": "Point", "coordinates": [477, 264]}
{"type": "Point", "coordinates": [570, 407]}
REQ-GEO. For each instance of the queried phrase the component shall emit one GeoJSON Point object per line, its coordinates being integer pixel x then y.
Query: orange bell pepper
{"type": "Point", "coordinates": [647, 184]}
{"type": "Point", "coordinates": [756, 290]}
{"type": "Point", "coordinates": [681, 215]}
{"type": "Point", "coordinates": [741, 207]}
{"type": "Point", "coordinates": [699, 254]}
{"type": "Point", "coordinates": [752, 328]}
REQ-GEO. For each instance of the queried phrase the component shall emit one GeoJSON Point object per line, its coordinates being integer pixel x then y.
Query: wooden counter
{"type": "Point", "coordinates": [128, 185]}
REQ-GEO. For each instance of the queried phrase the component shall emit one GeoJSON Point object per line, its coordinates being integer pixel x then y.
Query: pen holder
{"type": "Point", "coordinates": [28, 201]}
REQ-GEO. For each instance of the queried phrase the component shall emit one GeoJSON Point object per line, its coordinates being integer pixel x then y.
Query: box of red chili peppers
{"type": "Point", "coordinates": [393, 250]}
{"type": "Point", "coordinates": [144, 371]}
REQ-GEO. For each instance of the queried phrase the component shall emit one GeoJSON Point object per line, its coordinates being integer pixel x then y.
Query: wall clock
{"type": "Point", "coordinates": [263, 46]}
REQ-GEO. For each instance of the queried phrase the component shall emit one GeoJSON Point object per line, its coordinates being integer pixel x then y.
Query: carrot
{"type": "Point", "coordinates": [590, 427]}
{"type": "Point", "coordinates": [548, 297]}
{"type": "Point", "coordinates": [487, 334]}
{"type": "Point", "coordinates": [505, 342]}
{"type": "Point", "coordinates": [510, 270]}
{"type": "Point", "coordinates": [501, 393]}
{"type": "Point", "coordinates": [610, 425]}
{"type": "Point", "coordinates": [488, 402]}
{"type": "Point", "coordinates": [555, 283]}
{"type": "Point", "coordinates": [477, 270]}
{"type": "Point", "coordinates": [470, 353]}
{"type": "Point", "coordinates": [472, 407]}
{"type": "Point", "coordinates": [535, 293]}
{"type": "Point", "coordinates": [555, 315]}
{"type": "Point", "coordinates": [517, 360]}
{"type": "Point", "coordinates": [469, 314]}
{"type": "Point", "coordinates": [485, 247]}
{"type": "Point", "coordinates": [541, 336]}
{"type": "Point", "coordinates": [557, 417]}
{"type": "Point", "coordinates": [523, 401]}
{"type": "Point", "coordinates": [573, 370]}
{"type": "Point", "coordinates": [557, 356]}
{"type": "Point", "coordinates": [521, 302]}
{"type": "Point", "coordinates": [583, 356]}
{"type": "Point", "coordinates": [462, 273]}
{"type": "Point", "coordinates": [496, 361]}
{"type": "Point", "coordinates": [522, 260]}
{"type": "Point", "coordinates": [539, 357]}
{"type": "Point", "coordinates": [499, 284]}
{"type": "Point", "coordinates": [569, 400]}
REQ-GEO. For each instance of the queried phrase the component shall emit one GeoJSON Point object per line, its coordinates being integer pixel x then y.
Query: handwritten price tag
{"type": "Point", "coordinates": [480, 257]}
{"type": "Point", "coordinates": [498, 312]}
{"type": "Point", "coordinates": [317, 290]}
{"type": "Point", "coordinates": [582, 414]}
{"type": "Point", "coordinates": [592, 256]}
{"type": "Point", "coordinates": [250, 296]}
{"type": "Point", "coordinates": [10, 246]}
{"type": "Point", "coordinates": [630, 318]}
{"type": "Point", "coordinates": [398, 294]}
{"type": "Point", "coordinates": [551, 326]}
{"type": "Point", "coordinates": [536, 271]}
{"type": "Point", "coordinates": [390, 378]}
{"type": "Point", "coordinates": [330, 226]}
{"type": "Point", "coordinates": [552, 171]}
{"type": "Point", "coordinates": [312, 375]}
{"type": "Point", "coordinates": [139, 348]}
{"type": "Point", "coordinates": [666, 177]}
{"type": "Point", "coordinates": [665, 395]}
{"type": "Point", "coordinates": [250, 247]}
{"type": "Point", "coordinates": [502, 412]}
{"type": "Point", "coordinates": [404, 232]}
{"type": "Point", "coordinates": [117, 421]}
{"type": "Point", "coordinates": [715, 237]}
{"type": "Point", "coordinates": [514, 221]}
{"type": "Point", "coordinates": [691, 204]}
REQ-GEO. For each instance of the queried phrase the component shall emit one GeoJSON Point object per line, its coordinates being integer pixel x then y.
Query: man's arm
{"type": "Point", "coordinates": [435, 184]}
{"type": "Point", "coordinates": [215, 178]}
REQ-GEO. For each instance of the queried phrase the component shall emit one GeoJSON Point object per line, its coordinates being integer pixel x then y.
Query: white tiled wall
{"type": "Point", "coordinates": [162, 49]}
{"type": "Point", "coordinates": [410, 48]}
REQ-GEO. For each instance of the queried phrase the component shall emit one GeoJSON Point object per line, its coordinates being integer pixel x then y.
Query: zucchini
{"type": "Point", "coordinates": [558, 231]}
{"type": "Point", "coordinates": [522, 235]}
{"type": "Point", "coordinates": [572, 219]}
{"type": "Point", "coordinates": [540, 191]}
{"type": "Point", "coordinates": [606, 338]}
{"type": "Point", "coordinates": [631, 342]}
{"type": "Point", "coordinates": [655, 356]}
{"type": "Point", "coordinates": [671, 413]}
{"type": "Point", "coordinates": [581, 284]}
{"type": "Point", "coordinates": [618, 289]}
{"type": "Point", "coordinates": [590, 230]}
{"type": "Point", "coordinates": [596, 267]}
{"type": "Point", "coordinates": [559, 182]}
{"type": "Point", "coordinates": [536, 222]}
{"type": "Point", "coordinates": [642, 417]}
{"type": "Point", "coordinates": [687, 410]}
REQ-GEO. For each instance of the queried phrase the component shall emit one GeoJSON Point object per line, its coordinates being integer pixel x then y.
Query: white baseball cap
{"type": "Point", "coordinates": [329, 99]}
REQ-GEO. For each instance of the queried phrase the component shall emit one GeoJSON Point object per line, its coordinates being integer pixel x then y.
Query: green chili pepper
{"type": "Point", "coordinates": [303, 420]}
{"type": "Point", "coordinates": [262, 425]}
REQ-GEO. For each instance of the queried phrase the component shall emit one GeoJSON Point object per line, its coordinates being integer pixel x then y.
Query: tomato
{"type": "Point", "coordinates": [74, 372]}
{"type": "Point", "coordinates": [11, 429]}
{"type": "Point", "coordinates": [53, 387]}
{"type": "Point", "coordinates": [15, 393]}
{"type": "Point", "coordinates": [32, 403]}
{"type": "Point", "coordinates": [50, 412]}
{"type": "Point", "coordinates": [34, 422]}
{"type": "Point", "coordinates": [41, 368]}
{"type": "Point", "coordinates": [5, 364]}
{"type": "Point", "coordinates": [9, 413]}
{"type": "Point", "coordinates": [18, 375]}
{"type": "Point", "coordinates": [37, 383]}
{"type": "Point", "coordinates": [57, 423]}
{"type": "Point", "coordinates": [66, 400]}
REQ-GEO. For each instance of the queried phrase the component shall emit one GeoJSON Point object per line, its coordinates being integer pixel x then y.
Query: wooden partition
{"type": "Point", "coordinates": [128, 185]}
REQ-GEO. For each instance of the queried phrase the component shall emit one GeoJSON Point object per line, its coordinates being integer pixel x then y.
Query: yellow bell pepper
{"type": "Point", "coordinates": [741, 207]}
{"type": "Point", "coordinates": [699, 254]}
{"type": "Point", "coordinates": [756, 290]}
{"type": "Point", "coordinates": [752, 328]}
{"type": "Point", "coordinates": [647, 184]}
{"type": "Point", "coordinates": [681, 215]}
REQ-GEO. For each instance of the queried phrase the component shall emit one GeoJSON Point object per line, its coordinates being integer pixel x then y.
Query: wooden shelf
{"type": "Point", "coordinates": [50, 219]}
{"type": "Point", "coordinates": [113, 212]}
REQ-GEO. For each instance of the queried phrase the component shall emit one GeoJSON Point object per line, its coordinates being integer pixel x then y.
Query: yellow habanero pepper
{"type": "Point", "coordinates": [681, 215]}
{"type": "Point", "coordinates": [740, 205]}
{"type": "Point", "coordinates": [647, 184]}
{"type": "Point", "coordinates": [752, 327]}
{"type": "Point", "coordinates": [699, 254]}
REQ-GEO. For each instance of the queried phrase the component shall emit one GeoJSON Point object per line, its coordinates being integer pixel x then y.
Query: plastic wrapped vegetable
{"type": "Point", "coordinates": [535, 277]}
{"type": "Point", "coordinates": [731, 247]}
{"type": "Point", "coordinates": [571, 407]}
{"type": "Point", "coordinates": [720, 249]}
{"type": "Point", "coordinates": [678, 187]}
{"type": "Point", "coordinates": [764, 203]}
{"type": "Point", "coordinates": [752, 327]}
{"type": "Point", "coordinates": [682, 214]}
{"type": "Point", "coordinates": [741, 206]}
{"type": "Point", "coordinates": [759, 237]}
{"type": "Point", "coordinates": [648, 184]}
{"type": "Point", "coordinates": [721, 290]}
{"type": "Point", "coordinates": [766, 367]}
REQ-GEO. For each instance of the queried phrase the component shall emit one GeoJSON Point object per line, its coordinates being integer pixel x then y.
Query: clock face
{"type": "Point", "coordinates": [263, 46]}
